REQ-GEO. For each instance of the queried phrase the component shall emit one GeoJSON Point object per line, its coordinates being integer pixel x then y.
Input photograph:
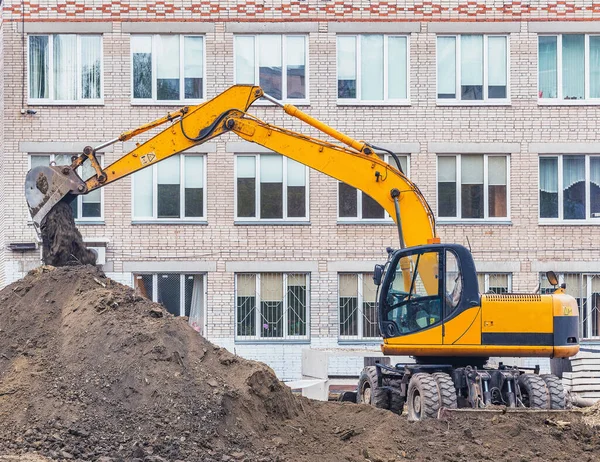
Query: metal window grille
{"type": "Point", "coordinates": [271, 306]}
{"type": "Point", "coordinates": [357, 307]}
{"type": "Point", "coordinates": [495, 283]}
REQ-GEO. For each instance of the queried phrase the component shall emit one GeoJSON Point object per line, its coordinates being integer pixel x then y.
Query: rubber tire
{"type": "Point", "coordinates": [424, 388]}
{"type": "Point", "coordinates": [556, 392]}
{"type": "Point", "coordinates": [397, 401]}
{"type": "Point", "coordinates": [378, 396]}
{"type": "Point", "coordinates": [534, 387]}
{"type": "Point", "coordinates": [446, 389]}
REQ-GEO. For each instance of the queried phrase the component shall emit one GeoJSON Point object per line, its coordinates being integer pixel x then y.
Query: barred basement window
{"type": "Point", "coordinates": [271, 306]}
{"type": "Point", "coordinates": [495, 283]}
{"type": "Point", "coordinates": [357, 307]}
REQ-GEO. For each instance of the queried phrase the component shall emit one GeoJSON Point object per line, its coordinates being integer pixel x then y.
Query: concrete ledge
{"type": "Point", "coordinates": [169, 266]}
{"type": "Point", "coordinates": [65, 27]}
{"type": "Point", "coordinates": [401, 148]}
{"type": "Point", "coordinates": [244, 147]}
{"type": "Point", "coordinates": [498, 266]}
{"type": "Point", "coordinates": [352, 266]}
{"type": "Point", "coordinates": [360, 27]}
{"type": "Point", "coordinates": [271, 27]}
{"type": "Point", "coordinates": [564, 148]}
{"type": "Point", "coordinates": [565, 266]}
{"type": "Point", "coordinates": [486, 27]}
{"type": "Point", "coordinates": [557, 27]}
{"type": "Point", "coordinates": [271, 266]}
{"type": "Point", "coordinates": [168, 27]}
{"type": "Point", "coordinates": [474, 148]}
{"type": "Point", "coordinates": [204, 148]}
{"type": "Point", "coordinates": [57, 147]}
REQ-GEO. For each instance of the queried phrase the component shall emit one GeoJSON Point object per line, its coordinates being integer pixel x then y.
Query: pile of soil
{"type": "Point", "coordinates": [91, 371]}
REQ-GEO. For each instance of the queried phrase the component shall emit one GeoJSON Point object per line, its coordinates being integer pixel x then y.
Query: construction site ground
{"type": "Point", "coordinates": [91, 371]}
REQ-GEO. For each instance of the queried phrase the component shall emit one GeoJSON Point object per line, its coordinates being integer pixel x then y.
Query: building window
{"type": "Point", "coordinates": [65, 68]}
{"type": "Point", "coordinates": [372, 68]}
{"type": "Point", "coordinates": [568, 67]}
{"type": "Point", "coordinates": [86, 207]}
{"type": "Point", "coordinates": [472, 68]}
{"type": "Point", "coordinates": [357, 307]}
{"type": "Point", "coordinates": [271, 187]}
{"type": "Point", "coordinates": [275, 62]}
{"type": "Point", "coordinates": [167, 68]}
{"type": "Point", "coordinates": [585, 288]}
{"type": "Point", "coordinates": [173, 190]}
{"type": "Point", "coordinates": [355, 205]}
{"type": "Point", "coordinates": [495, 283]}
{"type": "Point", "coordinates": [180, 294]}
{"type": "Point", "coordinates": [473, 187]}
{"type": "Point", "coordinates": [569, 188]}
{"type": "Point", "coordinates": [271, 306]}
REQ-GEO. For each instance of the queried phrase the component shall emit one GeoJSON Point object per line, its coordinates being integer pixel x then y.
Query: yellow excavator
{"type": "Point", "coordinates": [429, 305]}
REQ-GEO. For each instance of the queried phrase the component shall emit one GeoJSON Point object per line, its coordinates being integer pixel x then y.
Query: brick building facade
{"type": "Point", "coordinates": [492, 106]}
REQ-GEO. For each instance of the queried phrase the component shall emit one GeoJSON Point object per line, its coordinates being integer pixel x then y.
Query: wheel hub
{"type": "Point", "coordinates": [367, 395]}
{"type": "Point", "coordinates": [417, 404]}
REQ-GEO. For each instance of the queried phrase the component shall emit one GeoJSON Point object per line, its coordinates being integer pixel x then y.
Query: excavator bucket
{"type": "Point", "coordinates": [47, 186]}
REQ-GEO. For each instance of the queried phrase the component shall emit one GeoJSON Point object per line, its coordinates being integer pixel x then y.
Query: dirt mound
{"type": "Point", "coordinates": [592, 415]}
{"type": "Point", "coordinates": [91, 371]}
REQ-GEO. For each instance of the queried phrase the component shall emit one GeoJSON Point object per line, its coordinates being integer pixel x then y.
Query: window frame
{"type": "Point", "coordinates": [286, 338]}
{"type": "Point", "coordinates": [182, 219]}
{"type": "Point", "coordinates": [486, 101]}
{"type": "Point", "coordinates": [360, 337]}
{"type": "Point", "coordinates": [51, 101]}
{"type": "Point", "coordinates": [486, 219]}
{"type": "Point", "coordinates": [262, 102]}
{"type": "Point", "coordinates": [385, 101]}
{"type": "Point", "coordinates": [182, 101]}
{"type": "Point", "coordinates": [387, 219]}
{"type": "Point", "coordinates": [559, 101]}
{"type": "Point", "coordinates": [256, 219]}
{"type": "Point", "coordinates": [486, 275]}
{"type": "Point", "coordinates": [81, 220]}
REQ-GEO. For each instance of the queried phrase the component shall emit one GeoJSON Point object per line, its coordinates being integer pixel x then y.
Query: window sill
{"type": "Point", "coordinates": [90, 222]}
{"type": "Point", "coordinates": [341, 102]}
{"type": "Point", "coordinates": [295, 102]}
{"type": "Point", "coordinates": [572, 102]}
{"type": "Point", "coordinates": [65, 103]}
{"type": "Point", "coordinates": [169, 222]}
{"type": "Point", "coordinates": [272, 223]}
{"type": "Point", "coordinates": [570, 223]}
{"type": "Point", "coordinates": [474, 222]}
{"type": "Point", "coordinates": [177, 104]}
{"type": "Point", "coordinates": [359, 342]}
{"type": "Point", "coordinates": [366, 222]}
{"type": "Point", "coordinates": [278, 341]}
{"type": "Point", "coordinates": [454, 103]}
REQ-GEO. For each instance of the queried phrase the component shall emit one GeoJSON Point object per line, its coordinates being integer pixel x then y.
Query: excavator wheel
{"type": "Point", "coordinates": [556, 392]}
{"type": "Point", "coordinates": [369, 392]}
{"type": "Point", "coordinates": [423, 399]}
{"type": "Point", "coordinates": [446, 389]}
{"type": "Point", "coordinates": [534, 391]}
{"type": "Point", "coordinates": [396, 401]}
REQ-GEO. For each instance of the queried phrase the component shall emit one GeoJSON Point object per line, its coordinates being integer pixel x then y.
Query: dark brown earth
{"type": "Point", "coordinates": [90, 371]}
{"type": "Point", "coordinates": [62, 244]}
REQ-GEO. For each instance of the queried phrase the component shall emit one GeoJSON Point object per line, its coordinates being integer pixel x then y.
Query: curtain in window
{"type": "Point", "coordinates": [497, 186]}
{"type": "Point", "coordinates": [573, 66]}
{"type": "Point", "coordinates": [369, 318]}
{"type": "Point", "coordinates": [244, 60]}
{"type": "Point", "coordinates": [271, 306]}
{"type": "Point", "coordinates": [38, 66]}
{"type": "Point", "coordinates": [193, 58]}
{"type": "Point", "coordinates": [296, 189]}
{"type": "Point", "coordinates": [168, 188]}
{"type": "Point", "coordinates": [246, 186]}
{"type": "Point", "coordinates": [472, 186]}
{"type": "Point", "coordinates": [296, 70]}
{"type": "Point", "coordinates": [397, 74]}
{"type": "Point", "coordinates": [196, 315]}
{"type": "Point", "coordinates": [446, 67]}
{"type": "Point", "coordinates": [371, 67]}
{"type": "Point", "coordinates": [595, 187]}
{"type": "Point", "coordinates": [574, 187]}
{"type": "Point", "coordinates": [167, 67]}
{"type": "Point", "coordinates": [142, 193]}
{"type": "Point", "coordinates": [496, 67]}
{"type": "Point", "coordinates": [90, 67]}
{"type": "Point", "coordinates": [271, 186]}
{"type": "Point", "coordinates": [548, 75]}
{"type": "Point", "coordinates": [346, 67]}
{"type": "Point", "coordinates": [194, 186]}
{"type": "Point", "coordinates": [65, 70]}
{"type": "Point", "coordinates": [447, 186]}
{"type": "Point", "coordinates": [594, 66]}
{"type": "Point", "coordinates": [471, 69]}
{"type": "Point", "coordinates": [269, 65]}
{"type": "Point", "coordinates": [348, 304]}
{"type": "Point", "coordinates": [548, 187]}
{"type": "Point", "coordinates": [141, 51]}
{"type": "Point", "coordinates": [246, 304]}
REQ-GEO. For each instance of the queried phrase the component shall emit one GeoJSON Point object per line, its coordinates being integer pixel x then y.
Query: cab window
{"type": "Point", "coordinates": [453, 282]}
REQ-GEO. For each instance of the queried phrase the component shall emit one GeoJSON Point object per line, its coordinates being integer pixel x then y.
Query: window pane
{"type": "Point", "coordinates": [348, 304]}
{"type": "Point", "coordinates": [296, 71]}
{"type": "Point", "coordinates": [447, 186]}
{"type": "Point", "coordinates": [193, 57]}
{"type": "Point", "coordinates": [472, 186]}
{"type": "Point", "coordinates": [371, 67]}
{"type": "Point", "coordinates": [144, 285]}
{"type": "Point", "coordinates": [91, 206]}
{"type": "Point", "coordinates": [574, 187]}
{"type": "Point", "coordinates": [142, 193]}
{"type": "Point", "coordinates": [169, 293]}
{"type": "Point", "coordinates": [369, 320]}
{"type": "Point", "coordinates": [90, 67]}
{"type": "Point", "coordinates": [296, 304]}
{"type": "Point", "coordinates": [595, 66]}
{"type": "Point", "coordinates": [244, 60]}
{"type": "Point", "coordinates": [271, 307]}
{"type": "Point", "coordinates": [194, 186]}
{"type": "Point", "coordinates": [246, 304]}
{"type": "Point", "coordinates": [397, 74]}
{"type": "Point", "coordinates": [595, 187]}
{"type": "Point", "coordinates": [471, 70]}
{"type": "Point", "coordinates": [194, 301]}
{"type": "Point", "coordinates": [141, 49]}
{"type": "Point", "coordinates": [167, 67]}
{"type": "Point", "coordinates": [296, 189]}
{"type": "Point", "coordinates": [246, 186]}
{"type": "Point", "coordinates": [548, 78]}
{"type": "Point", "coordinates": [348, 201]}
{"type": "Point", "coordinates": [65, 70]}
{"type": "Point", "coordinates": [269, 62]}
{"type": "Point", "coordinates": [497, 186]}
{"type": "Point", "coordinates": [346, 67]}
{"type": "Point", "coordinates": [371, 210]}
{"type": "Point", "coordinates": [168, 188]}
{"type": "Point", "coordinates": [548, 187]}
{"type": "Point", "coordinates": [446, 67]}
{"type": "Point", "coordinates": [40, 161]}
{"type": "Point", "coordinates": [573, 66]}
{"type": "Point", "coordinates": [38, 66]}
{"type": "Point", "coordinates": [271, 186]}
{"type": "Point", "coordinates": [496, 67]}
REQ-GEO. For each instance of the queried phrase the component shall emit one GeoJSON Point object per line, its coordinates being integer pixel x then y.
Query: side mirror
{"type": "Point", "coordinates": [552, 278]}
{"type": "Point", "coordinates": [377, 274]}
